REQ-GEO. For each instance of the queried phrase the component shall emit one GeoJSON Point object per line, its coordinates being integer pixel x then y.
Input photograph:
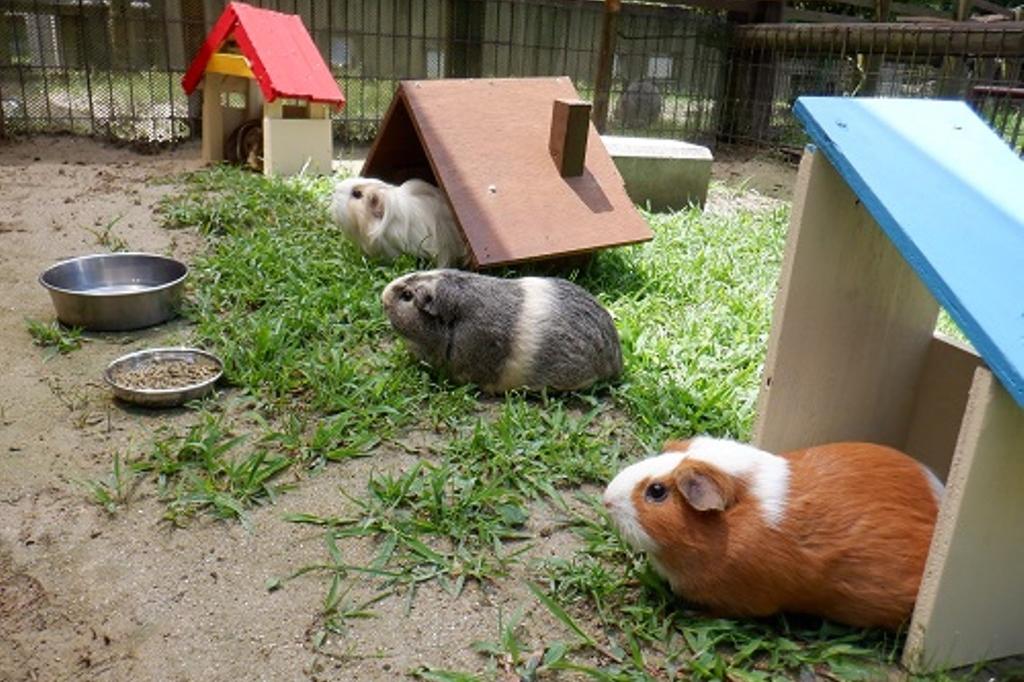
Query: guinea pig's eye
{"type": "Point", "coordinates": [357, 194]}
{"type": "Point", "coordinates": [406, 295]}
{"type": "Point", "coordinates": [656, 492]}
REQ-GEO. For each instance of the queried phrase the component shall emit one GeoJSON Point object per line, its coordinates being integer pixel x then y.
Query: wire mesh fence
{"type": "Point", "coordinates": [774, 64]}
{"type": "Point", "coordinates": [84, 66]}
{"type": "Point", "coordinates": [113, 67]}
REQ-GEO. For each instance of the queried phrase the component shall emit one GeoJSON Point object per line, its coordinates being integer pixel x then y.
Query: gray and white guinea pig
{"type": "Point", "coordinates": [501, 334]}
{"type": "Point", "coordinates": [388, 220]}
{"type": "Point", "coordinates": [839, 530]}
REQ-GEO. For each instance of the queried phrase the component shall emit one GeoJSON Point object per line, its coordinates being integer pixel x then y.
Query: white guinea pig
{"type": "Point", "coordinates": [388, 220]}
{"type": "Point", "coordinates": [839, 530]}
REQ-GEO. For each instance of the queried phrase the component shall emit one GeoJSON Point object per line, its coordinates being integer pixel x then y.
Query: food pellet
{"type": "Point", "coordinates": [169, 373]}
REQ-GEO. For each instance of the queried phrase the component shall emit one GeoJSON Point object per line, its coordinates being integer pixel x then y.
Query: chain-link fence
{"type": "Point", "coordinates": [105, 68]}
{"type": "Point", "coordinates": [773, 64]}
{"type": "Point", "coordinates": [113, 67]}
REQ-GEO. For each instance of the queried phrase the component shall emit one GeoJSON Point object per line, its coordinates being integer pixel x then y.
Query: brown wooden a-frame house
{"type": "Point", "coordinates": [527, 178]}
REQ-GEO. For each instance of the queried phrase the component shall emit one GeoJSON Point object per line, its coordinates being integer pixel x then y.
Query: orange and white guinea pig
{"type": "Point", "coordinates": [839, 530]}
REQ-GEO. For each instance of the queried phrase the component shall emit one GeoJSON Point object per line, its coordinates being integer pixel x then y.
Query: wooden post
{"type": "Point", "coordinates": [175, 37]}
{"type": "Point", "coordinates": [606, 62]}
{"type": "Point", "coordinates": [117, 22]}
{"type": "Point", "coordinates": [750, 81]}
{"type": "Point", "coordinates": [969, 605]}
{"type": "Point", "coordinates": [213, 118]}
{"type": "Point", "coordinates": [192, 27]}
{"type": "Point", "coordinates": [570, 124]}
{"type": "Point", "coordinates": [465, 39]}
{"type": "Point", "coordinates": [871, 61]}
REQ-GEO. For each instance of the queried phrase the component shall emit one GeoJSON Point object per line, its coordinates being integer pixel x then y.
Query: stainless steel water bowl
{"type": "Point", "coordinates": [115, 291]}
{"type": "Point", "coordinates": [162, 397]}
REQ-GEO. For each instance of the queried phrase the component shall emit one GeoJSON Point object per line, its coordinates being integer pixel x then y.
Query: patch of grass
{"type": "Point", "coordinates": [433, 523]}
{"type": "Point", "coordinates": [105, 236]}
{"type": "Point", "coordinates": [115, 490]}
{"type": "Point", "coordinates": [693, 309]}
{"type": "Point", "coordinates": [338, 609]}
{"type": "Point", "coordinates": [535, 445]}
{"type": "Point", "coordinates": [294, 311]}
{"type": "Point", "coordinates": [208, 469]}
{"type": "Point", "coordinates": [55, 336]}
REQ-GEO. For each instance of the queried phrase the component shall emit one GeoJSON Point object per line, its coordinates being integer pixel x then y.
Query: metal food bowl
{"type": "Point", "coordinates": [162, 397]}
{"type": "Point", "coordinates": [115, 291]}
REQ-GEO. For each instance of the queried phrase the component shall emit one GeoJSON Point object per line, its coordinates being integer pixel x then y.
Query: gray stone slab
{"type": "Point", "coordinates": [665, 175]}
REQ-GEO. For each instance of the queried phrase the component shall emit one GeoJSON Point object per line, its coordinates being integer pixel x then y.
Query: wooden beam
{"type": "Point", "coordinates": [910, 19]}
{"type": "Point", "coordinates": [981, 91]}
{"type": "Point", "coordinates": [229, 65]}
{"type": "Point", "coordinates": [213, 119]}
{"type": "Point", "coordinates": [1005, 39]}
{"type": "Point", "coordinates": [860, 4]}
{"type": "Point", "coordinates": [570, 124]}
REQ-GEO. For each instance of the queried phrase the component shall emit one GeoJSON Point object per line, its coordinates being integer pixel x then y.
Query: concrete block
{"type": "Point", "coordinates": [666, 174]}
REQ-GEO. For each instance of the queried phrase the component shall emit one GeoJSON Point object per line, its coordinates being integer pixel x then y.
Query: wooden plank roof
{"type": "Point", "coordinates": [948, 193]}
{"type": "Point", "coordinates": [280, 51]}
{"type": "Point", "coordinates": [485, 143]}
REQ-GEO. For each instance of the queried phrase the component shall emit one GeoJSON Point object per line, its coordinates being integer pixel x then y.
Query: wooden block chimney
{"type": "Point", "coordinates": [526, 175]}
{"type": "Point", "coordinates": [570, 123]}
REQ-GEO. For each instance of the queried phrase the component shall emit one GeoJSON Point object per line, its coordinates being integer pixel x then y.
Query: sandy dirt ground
{"type": "Point", "coordinates": [89, 596]}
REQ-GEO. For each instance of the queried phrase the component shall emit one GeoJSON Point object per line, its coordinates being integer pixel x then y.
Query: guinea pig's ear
{"type": "Point", "coordinates": [375, 199]}
{"type": "Point", "coordinates": [426, 301]}
{"type": "Point", "coordinates": [705, 487]}
{"type": "Point", "coordinates": [438, 300]}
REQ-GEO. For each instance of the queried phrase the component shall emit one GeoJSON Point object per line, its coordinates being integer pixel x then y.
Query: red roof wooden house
{"type": "Point", "coordinates": [260, 64]}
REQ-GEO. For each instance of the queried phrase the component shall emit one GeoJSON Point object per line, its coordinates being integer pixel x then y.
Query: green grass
{"type": "Point", "coordinates": [115, 491]}
{"type": "Point", "coordinates": [202, 470]}
{"type": "Point", "coordinates": [293, 309]}
{"type": "Point", "coordinates": [55, 336]}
